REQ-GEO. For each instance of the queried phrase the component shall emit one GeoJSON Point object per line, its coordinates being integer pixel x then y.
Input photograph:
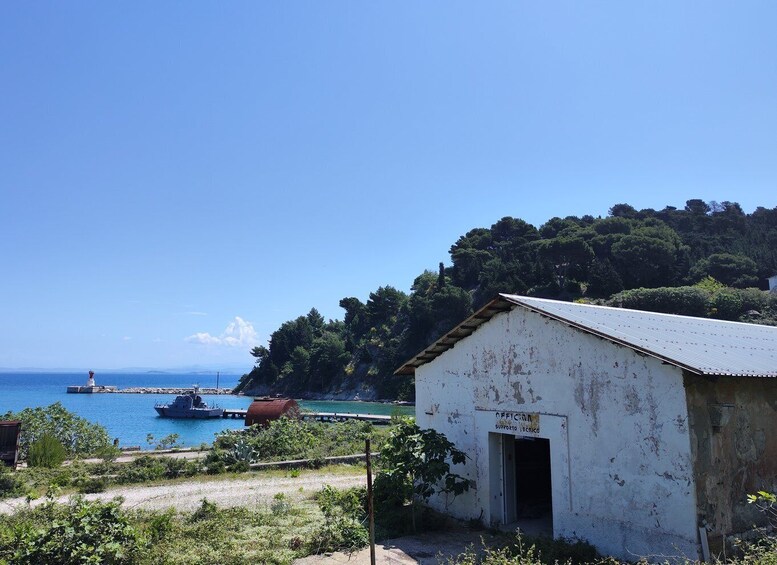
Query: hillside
{"type": "Point", "coordinates": [707, 259]}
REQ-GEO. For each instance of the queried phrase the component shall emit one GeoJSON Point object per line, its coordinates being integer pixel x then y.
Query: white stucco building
{"type": "Point", "coordinates": [773, 284]}
{"type": "Point", "coordinates": [629, 429]}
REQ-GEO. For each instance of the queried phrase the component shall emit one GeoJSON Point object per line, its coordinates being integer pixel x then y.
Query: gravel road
{"type": "Point", "coordinates": [187, 496]}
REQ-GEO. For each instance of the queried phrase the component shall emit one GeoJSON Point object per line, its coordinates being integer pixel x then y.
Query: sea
{"type": "Point", "coordinates": [131, 417]}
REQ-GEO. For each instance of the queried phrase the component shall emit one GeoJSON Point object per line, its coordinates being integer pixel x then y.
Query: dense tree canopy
{"type": "Point", "coordinates": [639, 258]}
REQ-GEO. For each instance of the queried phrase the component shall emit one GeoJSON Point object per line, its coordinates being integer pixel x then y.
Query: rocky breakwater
{"type": "Point", "coordinates": [164, 390]}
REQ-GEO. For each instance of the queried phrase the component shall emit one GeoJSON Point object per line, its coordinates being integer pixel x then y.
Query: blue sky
{"type": "Point", "coordinates": [179, 178]}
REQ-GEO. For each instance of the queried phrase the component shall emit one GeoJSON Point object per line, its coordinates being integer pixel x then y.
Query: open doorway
{"type": "Point", "coordinates": [528, 494]}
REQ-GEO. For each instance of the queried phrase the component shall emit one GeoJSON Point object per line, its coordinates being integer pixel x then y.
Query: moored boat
{"type": "Point", "coordinates": [189, 405]}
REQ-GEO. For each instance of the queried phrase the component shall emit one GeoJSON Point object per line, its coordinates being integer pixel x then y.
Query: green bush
{"type": "Point", "coordinates": [206, 511]}
{"type": "Point", "coordinates": [77, 533]}
{"type": "Point", "coordinates": [160, 525]}
{"type": "Point", "coordinates": [92, 485]}
{"type": "Point", "coordinates": [46, 451]}
{"type": "Point", "coordinates": [343, 527]}
{"type": "Point", "coordinates": [10, 484]}
{"type": "Point", "coordinates": [174, 467]}
{"type": "Point", "coordinates": [239, 467]}
{"type": "Point", "coordinates": [683, 300]}
{"type": "Point", "coordinates": [288, 438]}
{"type": "Point", "coordinates": [79, 436]}
{"type": "Point", "coordinates": [727, 305]}
{"type": "Point", "coordinates": [350, 501]}
{"type": "Point", "coordinates": [142, 469]}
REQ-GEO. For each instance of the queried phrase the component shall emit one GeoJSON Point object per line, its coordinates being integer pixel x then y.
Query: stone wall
{"type": "Point", "coordinates": [733, 421]}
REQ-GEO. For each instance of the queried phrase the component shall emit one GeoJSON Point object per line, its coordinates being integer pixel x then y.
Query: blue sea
{"type": "Point", "coordinates": [130, 417]}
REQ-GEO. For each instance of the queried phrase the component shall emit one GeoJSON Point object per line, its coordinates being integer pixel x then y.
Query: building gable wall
{"type": "Point", "coordinates": [616, 420]}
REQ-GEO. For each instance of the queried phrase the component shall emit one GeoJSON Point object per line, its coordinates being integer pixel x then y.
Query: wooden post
{"type": "Point", "coordinates": [370, 509]}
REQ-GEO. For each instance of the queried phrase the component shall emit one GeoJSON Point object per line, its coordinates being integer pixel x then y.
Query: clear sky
{"type": "Point", "coordinates": [179, 178]}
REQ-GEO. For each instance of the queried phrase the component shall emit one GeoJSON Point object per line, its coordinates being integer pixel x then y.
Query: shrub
{"type": "Point", "coordinates": [684, 300]}
{"type": "Point", "coordinates": [80, 532]}
{"type": "Point", "coordinates": [161, 525]}
{"type": "Point", "coordinates": [142, 469]}
{"type": "Point", "coordinates": [206, 511]}
{"type": "Point", "coordinates": [47, 451]}
{"type": "Point", "coordinates": [351, 501]}
{"type": "Point", "coordinates": [339, 534]}
{"type": "Point", "coordinates": [10, 484]}
{"type": "Point", "coordinates": [174, 467]}
{"type": "Point", "coordinates": [279, 504]}
{"type": "Point", "coordinates": [92, 485]}
{"type": "Point", "coordinates": [343, 528]}
{"type": "Point", "coordinates": [216, 468]}
{"type": "Point", "coordinates": [239, 467]}
{"type": "Point", "coordinates": [76, 434]}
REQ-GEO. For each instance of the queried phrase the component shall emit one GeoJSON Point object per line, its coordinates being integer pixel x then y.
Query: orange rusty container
{"type": "Point", "coordinates": [263, 410]}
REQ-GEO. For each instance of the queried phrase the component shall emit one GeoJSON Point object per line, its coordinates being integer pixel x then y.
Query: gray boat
{"type": "Point", "coordinates": [190, 405]}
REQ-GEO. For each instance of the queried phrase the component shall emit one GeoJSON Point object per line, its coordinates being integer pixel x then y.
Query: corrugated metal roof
{"type": "Point", "coordinates": [700, 345]}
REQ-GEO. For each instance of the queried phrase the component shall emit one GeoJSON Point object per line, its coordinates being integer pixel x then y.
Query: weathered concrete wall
{"type": "Point", "coordinates": [734, 448]}
{"type": "Point", "coordinates": [621, 469]}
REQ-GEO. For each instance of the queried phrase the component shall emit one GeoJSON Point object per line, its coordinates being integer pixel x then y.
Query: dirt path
{"type": "Point", "coordinates": [187, 496]}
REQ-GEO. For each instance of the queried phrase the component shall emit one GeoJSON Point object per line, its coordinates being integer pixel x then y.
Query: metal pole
{"type": "Point", "coordinates": [370, 509]}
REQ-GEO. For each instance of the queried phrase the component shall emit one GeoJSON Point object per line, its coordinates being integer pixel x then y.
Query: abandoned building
{"type": "Point", "coordinates": [639, 432]}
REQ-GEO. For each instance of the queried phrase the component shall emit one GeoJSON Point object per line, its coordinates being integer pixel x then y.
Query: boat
{"type": "Point", "coordinates": [189, 405]}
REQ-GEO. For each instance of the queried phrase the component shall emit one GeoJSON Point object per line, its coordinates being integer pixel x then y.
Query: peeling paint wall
{"type": "Point", "coordinates": [734, 448]}
{"type": "Point", "coordinates": [621, 468]}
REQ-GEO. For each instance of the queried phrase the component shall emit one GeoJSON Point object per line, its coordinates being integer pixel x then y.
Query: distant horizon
{"type": "Point", "coordinates": [124, 370]}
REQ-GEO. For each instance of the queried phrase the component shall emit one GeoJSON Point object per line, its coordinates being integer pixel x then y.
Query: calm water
{"type": "Point", "coordinates": [130, 417]}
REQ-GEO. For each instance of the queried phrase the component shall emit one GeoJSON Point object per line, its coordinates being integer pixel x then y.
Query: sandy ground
{"type": "Point", "coordinates": [188, 495]}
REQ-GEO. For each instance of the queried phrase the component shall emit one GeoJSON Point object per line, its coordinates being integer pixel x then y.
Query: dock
{"type": "Point", "coordinates": [90, 389]}
{"type": "Point", "coordinates": [321, 416]}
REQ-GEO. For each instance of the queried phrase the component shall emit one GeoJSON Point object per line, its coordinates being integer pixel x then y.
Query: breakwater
{"type": "Point", "coordinates": [168, 390]}
{"type": "Point", "coordinates": [144, 390]}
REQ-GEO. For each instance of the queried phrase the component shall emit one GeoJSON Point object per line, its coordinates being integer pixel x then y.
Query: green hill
{"type": "Point", "coordinates": [707, 259]}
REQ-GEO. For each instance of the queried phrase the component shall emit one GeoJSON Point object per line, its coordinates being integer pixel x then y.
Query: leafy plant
{"type": "Point", "coordinates": [766, 502]}
{"type": "Point", "coordinates": [343, 528]}
{"type": "Point", "coordinates": [169, 441]}
{"type": "Point", "coordinates": [46, 451]}
{"type": "Point", "coordinates": [79, 436]}
{"type": "Point", "coordinates": [415, 460]}
{"type": "Point", "coordinates": [92, 485]}
{"type": "Point", "coordinates": [206, 510]}
{"type": "Point", "coordinates": [80, 532]}
{"type": "Point", "coordinates": [10, 484]}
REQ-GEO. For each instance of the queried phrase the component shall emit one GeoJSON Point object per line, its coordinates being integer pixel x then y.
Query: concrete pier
{"type": "Point", "coordinates": [144, 390]}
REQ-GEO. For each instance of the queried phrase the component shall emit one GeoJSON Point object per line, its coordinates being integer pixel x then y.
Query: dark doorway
{"type": "Point", "coordinates": [533, 492]}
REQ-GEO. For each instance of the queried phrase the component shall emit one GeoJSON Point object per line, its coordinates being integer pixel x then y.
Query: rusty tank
{"type": "Point", "coordinates": [263, 410]}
